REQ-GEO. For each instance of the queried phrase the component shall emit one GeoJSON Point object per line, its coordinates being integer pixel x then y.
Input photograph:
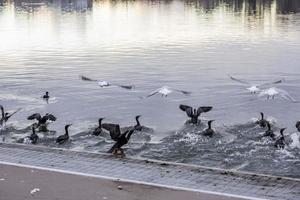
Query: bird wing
{"type": "Point", "coordinates": [184, 107]}
{"type": "Point", "coordinates": [203, 109]}
{"type": "Point", "coordinates": [239, 81]}
{"type": "Point", "coordinates": [128, 87]}
{"type": "Point", "coordinates": [153, 93]}
{"type": "Point", "coordinates": [182, 91]}
{"type": "Point", "coordinates": [84, 78]}
{"type": "Point", "coordinates": [50, 117]}
{"type": "Point", "coordinates": [271, 83]}
{"type": "Point", "coordinates": [36, 116]}
{"type": "Point", "coordinates": [114, 130]}
{"type": "Point", "coordinates": [14, 112]}
{"type": "Point", "coordinates": [189, 112]}
{"type": "Point", "coordinates": [284, 94]}
{"type": "Point", "coordinates": [187, 109]}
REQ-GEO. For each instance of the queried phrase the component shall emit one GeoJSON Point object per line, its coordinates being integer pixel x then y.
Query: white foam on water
{"type": "Point", "coordinates": [295, 140]}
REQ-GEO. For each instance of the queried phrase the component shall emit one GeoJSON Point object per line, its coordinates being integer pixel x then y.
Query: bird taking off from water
{"type": "Point", "coordinates": [195, 113]}
{"type": "Point", "coordinates": [42, 120]}
{"type": "Point", "coordinates": [116, 135]}
{"type": "Point", "coordinates": [103, 83]}
{"type": "Point", "coordinates": [5, 115]}
{"type": "Point", "coordinates": [273, 92]}
{"type": "Point", "coordinates": [165, 91]}
{"type": "Point", "coordinates": [254, 88]}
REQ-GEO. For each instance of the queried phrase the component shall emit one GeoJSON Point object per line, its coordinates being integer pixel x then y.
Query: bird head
{"type": "Point", "coordinates": [210, 122]}
{"type": "Point", "coordinates": [68, 125]}
{"type": "Point", "coordinates": [281, 131]}
{"type": "Point", "coordinates": [262, 115]}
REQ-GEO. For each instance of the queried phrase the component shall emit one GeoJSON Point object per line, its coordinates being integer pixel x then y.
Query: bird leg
{"type": "Point", "coordinates": [118, 152]}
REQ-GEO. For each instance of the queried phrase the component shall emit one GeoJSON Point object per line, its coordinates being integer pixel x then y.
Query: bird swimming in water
{"type": "Point", "coordinates": [298, 125]}
{"type": "Point", "coordinates": [262, 122]}
{"type": "Point", "coordinates": [280, 143]}
{"type": "Point", "coordinates": [116, 135]}
{"type": "Point", "coordinates": [272, 92]}
{"type": "Point", "coordinates": [209, 131]}
{"type": "Point", "coordinates": [42, 120]}
{"type": "Point", "coordinates": [33, 137]}
{"type": "Point", "coordinates": [254, 88]}
{"type": "Point", "coordinates": [138, 126]}
{"type": "Point", "coordinates": [165, 91]}
{"type": "Point", "coordinates": [193, 113]}
{"type": "Point", "coordinates": [269, 132]}
{"type": "Point", "coordinates": [103, 83]}
{"type": "Point", "coordinates": [46, 96]}
{"type": "Point", "coordinates": [5, 115]}
{"type": "Point", "coordinates": [63, 138]}
{"type": "Point", "coordinates": [98, 130]}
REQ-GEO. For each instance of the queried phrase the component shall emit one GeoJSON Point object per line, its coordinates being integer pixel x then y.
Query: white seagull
{"type": "Point", "coordinates": [273, 92]}
{"type": "Point", "coordinates": [165, 90]}
{"type": "Point", "coordinates": [103, 83]}
{"type": "Point", "coordinates": [254, 88]}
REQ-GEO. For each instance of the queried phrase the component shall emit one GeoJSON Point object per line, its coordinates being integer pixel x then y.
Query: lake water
{"type": "Point", "coordinates": [188, 45]}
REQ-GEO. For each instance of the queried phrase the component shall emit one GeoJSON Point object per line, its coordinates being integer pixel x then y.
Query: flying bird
{"type": "Point", "coordinates": [194, 113]}
{"type": "Point", "coordinates": [165, 90]}
{"type": "Point", "coordinates": [254, 88]}
{"type": "Point", "coordinates": [103, 83]}
{"type": "Point", "coordinates": [273, 92]}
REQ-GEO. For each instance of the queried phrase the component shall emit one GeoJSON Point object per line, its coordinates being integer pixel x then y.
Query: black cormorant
{"type": "Point", "coordinates": [42, 120]}
{"type": "Point", "coordinates": [5, 116]}
{"type": "Point", "coordinates": [269, 132]}
{"type": "Point", "coordinates": [33, 137]}
{"type": "Point", "coordinates": [209, 131]}
{"type": "Point", "coordinates": [63, 138]}
{"type": "Point", "coordinates": [262, 122]}
{"type": "Point", "coordinates": [298, 125]}
{"type": "Point", "coordinates": [116, 135]}
{"type": "Point", "coordinates": [193, 113]}
{"type": "Point", "coordinates": [98, 130]}
{"type": "Point", "coordinates": [280, 143]}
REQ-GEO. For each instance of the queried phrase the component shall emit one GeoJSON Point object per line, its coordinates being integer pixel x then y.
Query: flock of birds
{"type": "Point", "coordinates": [121, 138]}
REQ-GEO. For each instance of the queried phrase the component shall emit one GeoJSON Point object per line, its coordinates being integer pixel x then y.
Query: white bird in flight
{"type": "Point", "coordinates": [165, 90]}
{"type": "Point", "coordinates": [273, 92]}
{"type": "Point", "coordinates": [103, 83]}
{"type": "Point", "coordinates": [254, 88]}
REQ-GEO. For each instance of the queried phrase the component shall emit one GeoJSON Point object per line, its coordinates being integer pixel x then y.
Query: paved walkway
{"type": "Point", "coordinates": [154, 173]}
{"type": "Point", "coordinates": [21, 183]}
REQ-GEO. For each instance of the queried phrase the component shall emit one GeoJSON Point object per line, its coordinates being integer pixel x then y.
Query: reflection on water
{"type": "Point", "coordinates": [249, 7]}
{"type": "Point", "coordinates": [190, 45]}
